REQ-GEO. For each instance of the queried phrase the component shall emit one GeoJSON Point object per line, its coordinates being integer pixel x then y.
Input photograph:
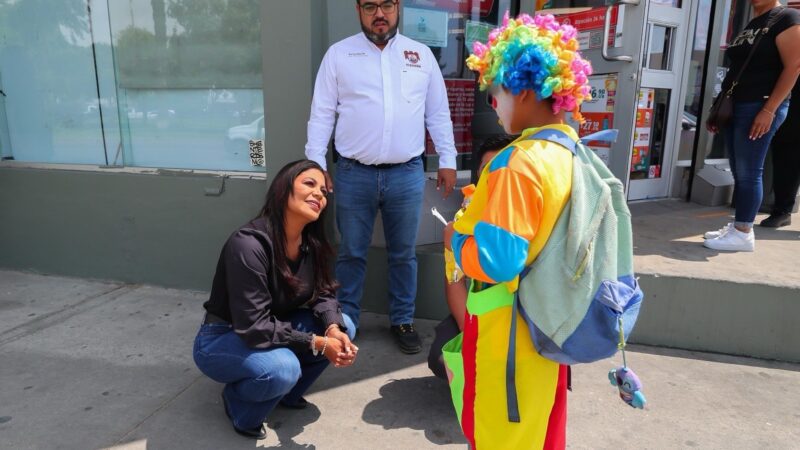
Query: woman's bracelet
{"type": "Point", "coordinates": [768, 112]}
{"type": "Point", "coordinates": [324, 346]}
{"type": "Point", "coordinates": [328, 330]}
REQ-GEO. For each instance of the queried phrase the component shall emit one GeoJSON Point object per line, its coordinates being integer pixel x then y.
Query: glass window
{"type": "Point", "coordinates": [189, 82]}
{"type": "Point", "coordinates": [659, 53]}
{"type": "Point", "coordinates": [50, 102]}
{"type": "Point", "coordinates": [693, 102]}
{"type": "Point", "coordinates": [734, 21]}
{"type": "Point", "coordinates": [449, 27]}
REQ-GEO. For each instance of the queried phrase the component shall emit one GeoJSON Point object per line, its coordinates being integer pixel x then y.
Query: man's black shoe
{"type": "Point", "coordinates": [407, 338]}
{"type": "Point", "coordinates": [256, 433]}
{"type": "Point", "coordinates": [777, 221]}
{"type": "Point", "coordinates": [301, 404]}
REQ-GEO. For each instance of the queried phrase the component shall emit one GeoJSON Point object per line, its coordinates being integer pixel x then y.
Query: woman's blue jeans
{"type": "Point", "coordinates": [256, 380]}
{"type": "Point", "coordinates": [361, 191]}
{"type": "Point", "coordinates": [747, 157]}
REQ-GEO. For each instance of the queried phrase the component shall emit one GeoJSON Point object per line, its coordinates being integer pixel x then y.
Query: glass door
{"type": "Point", "coordinates": [659, 109]}
{"type": "Point", "coordinates": [633, 83]}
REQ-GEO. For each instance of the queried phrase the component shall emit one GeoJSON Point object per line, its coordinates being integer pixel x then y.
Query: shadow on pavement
{"type": "Point", "coordinates": [410, 403]}
{"type": "Point", "coordinates": [713, 357]}
{"type": "Point", "coordinates": [289, 423]}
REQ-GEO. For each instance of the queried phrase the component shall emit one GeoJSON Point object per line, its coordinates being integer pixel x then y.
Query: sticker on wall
{"type": "Point", "coordinates": [257, 153]}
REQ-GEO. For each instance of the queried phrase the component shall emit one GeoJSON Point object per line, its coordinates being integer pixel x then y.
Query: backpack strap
{"type": "Point", "coordinates": [561, 138]}
{"type": "Point", "coordinates": [554, 136]}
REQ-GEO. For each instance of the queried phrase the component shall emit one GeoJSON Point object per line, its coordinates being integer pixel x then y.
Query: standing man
{"type": "Point", "coordinates": [386, 89]}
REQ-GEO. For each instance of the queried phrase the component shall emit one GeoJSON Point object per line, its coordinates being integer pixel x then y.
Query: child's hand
{"type": "Point", "coordinates": [448, 234]}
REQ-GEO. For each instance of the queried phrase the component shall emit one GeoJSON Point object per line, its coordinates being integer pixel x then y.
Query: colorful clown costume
{"type": "Point", "coordinates": [518, 199]}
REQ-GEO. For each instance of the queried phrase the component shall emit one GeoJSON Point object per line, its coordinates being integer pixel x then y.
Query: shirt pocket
{"type": "Point", "coordinates": [414, 85]}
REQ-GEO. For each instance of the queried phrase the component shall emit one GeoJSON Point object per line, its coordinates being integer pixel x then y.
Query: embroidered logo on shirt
{"type": "Point", "coordinates": [412, 57]}
{"type": "Point", "coordinates": [356, 54]}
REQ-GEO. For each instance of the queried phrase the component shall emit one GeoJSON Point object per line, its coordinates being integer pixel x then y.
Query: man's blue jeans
{"type": "Point", "coordinates": [256, 380]}
{"type": "Point", "coordinates": [361, 191]}
{"type": "Point", "coordinates": [747, 157]}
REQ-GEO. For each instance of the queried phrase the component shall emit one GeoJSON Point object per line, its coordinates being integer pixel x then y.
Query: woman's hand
{"type": "Point", "coordinates": [761, 124]}
{"type": "Point", "coordinates": [340, 351]}
{"type": "Point", "coordinates": [711, 128]}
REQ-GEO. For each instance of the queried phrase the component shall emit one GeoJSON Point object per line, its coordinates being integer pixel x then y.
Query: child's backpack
{"type": "Point", "coordinates": [579, 297]}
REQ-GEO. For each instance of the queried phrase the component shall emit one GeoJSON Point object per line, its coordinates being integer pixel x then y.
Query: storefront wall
{"type": "Point", "coordinates": [126, 136]}
{"type": "Point", "coordinates": [130, 132]}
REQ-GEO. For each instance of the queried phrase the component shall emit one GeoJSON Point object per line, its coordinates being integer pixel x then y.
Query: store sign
{"type": "Point", "coordinates": [461, 6]}
{"type": "Point", "coordinates": [590, 26]}
{"type": "Point", "coordinates": [461, 97]}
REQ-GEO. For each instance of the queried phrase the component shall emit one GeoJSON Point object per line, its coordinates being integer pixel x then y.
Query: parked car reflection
{"type": "Point", "coordinates": [239, 136]}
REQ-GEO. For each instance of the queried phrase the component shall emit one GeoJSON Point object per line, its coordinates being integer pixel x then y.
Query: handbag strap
{"type": "Point", "coordinates": [772, 21]}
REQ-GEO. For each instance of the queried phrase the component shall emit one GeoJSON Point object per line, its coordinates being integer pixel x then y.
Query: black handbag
{"type": "Point", "coordinates": [721, 112]}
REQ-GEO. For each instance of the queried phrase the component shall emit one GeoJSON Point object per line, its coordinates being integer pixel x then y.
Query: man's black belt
{"type": "Point", "coordinates": [211, 318]}
{"type": "Point", "coordinates": [384, 165]}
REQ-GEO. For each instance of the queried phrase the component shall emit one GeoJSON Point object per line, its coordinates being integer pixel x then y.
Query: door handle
{"type": "Point", "coordinates": [607, 32]}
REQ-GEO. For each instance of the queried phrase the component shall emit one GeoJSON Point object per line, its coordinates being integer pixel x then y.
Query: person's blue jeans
{"type": "Point", "coordinates": [362, 191]}
{"type": "Point", "coordinates": [256, 380]}
{"type": "Point", "coordinates": [747, 157]}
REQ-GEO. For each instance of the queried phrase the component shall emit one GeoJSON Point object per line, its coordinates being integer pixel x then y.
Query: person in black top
{"type": "Point", "coordinates": [272, 322]}
{"type": "Point", "coordinates": [760, 104]}
{"type": "Point", "coordinates": [786, 165]}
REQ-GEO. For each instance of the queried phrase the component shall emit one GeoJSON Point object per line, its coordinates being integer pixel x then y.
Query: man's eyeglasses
{"type": "Point", "coordinates": [370, 9]}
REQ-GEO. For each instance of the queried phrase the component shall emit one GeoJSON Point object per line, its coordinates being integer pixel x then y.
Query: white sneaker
{"type": "Point", "coordinates": [733, 240]}
{"type": "Point", "coordinates": [718, 233]}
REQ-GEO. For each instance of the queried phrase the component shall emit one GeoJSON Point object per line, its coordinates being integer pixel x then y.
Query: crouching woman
{"type": "Point", "coordinates": [272, 322]}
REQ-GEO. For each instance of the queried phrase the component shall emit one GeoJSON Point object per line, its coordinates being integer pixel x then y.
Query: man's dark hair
{"type": "Point", "coordinates": [493, 143]}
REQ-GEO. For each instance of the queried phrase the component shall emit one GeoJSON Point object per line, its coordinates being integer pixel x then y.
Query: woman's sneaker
{"type": "Point", "coordinates": [733, 241]}
{"type": "Point", "coordinates": [718, 233]}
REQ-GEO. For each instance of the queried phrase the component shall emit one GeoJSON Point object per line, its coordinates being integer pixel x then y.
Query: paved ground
{"type": "Point", "coordinates": [668, 240]}
{"type": "Point", "coordinates": [89, 365]}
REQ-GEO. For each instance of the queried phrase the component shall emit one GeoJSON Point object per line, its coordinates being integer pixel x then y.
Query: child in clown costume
{"type": "Point", "coordinates": [535, 75]}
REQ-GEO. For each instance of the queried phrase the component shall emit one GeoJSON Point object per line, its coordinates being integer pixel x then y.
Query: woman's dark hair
{"type": "Point", "coordinates": [314, 239]}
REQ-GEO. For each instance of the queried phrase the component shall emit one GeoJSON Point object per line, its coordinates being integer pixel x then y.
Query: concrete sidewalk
{"type": "Point", "coordinates": [89, 365]}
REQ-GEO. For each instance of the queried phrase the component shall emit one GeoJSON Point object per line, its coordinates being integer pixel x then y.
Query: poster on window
{"type": "Point", "coordinates": [476, 31]}
{"type": "Point", "coordinates": [426, 26]}
{"type": "Point", "coordinates": [598, 112]}
{"type": "Point", "coordinates": [461, 97]}
{"type": "Point", "coordinates": [589, 25]}
{"type": "Point", "coordinates": [640, 157]}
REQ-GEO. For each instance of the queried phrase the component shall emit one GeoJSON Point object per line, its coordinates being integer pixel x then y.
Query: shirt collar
{"type": "Point", "coordinates": [556, 126]}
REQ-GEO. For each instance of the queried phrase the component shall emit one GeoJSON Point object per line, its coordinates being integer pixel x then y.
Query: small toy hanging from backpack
{"type": "Point", "coordinates": [629, 385]}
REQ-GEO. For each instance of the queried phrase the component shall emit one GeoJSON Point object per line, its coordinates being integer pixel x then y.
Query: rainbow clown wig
{"type": "Point", "coordinates": [537, 54]}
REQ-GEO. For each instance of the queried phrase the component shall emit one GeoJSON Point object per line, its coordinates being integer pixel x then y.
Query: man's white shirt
{"type": "Point", "coordinates": [384, 101]}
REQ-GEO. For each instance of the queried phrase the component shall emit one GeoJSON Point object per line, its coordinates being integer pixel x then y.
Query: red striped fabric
{"type": "Point", "coordinates": [469, 353]}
